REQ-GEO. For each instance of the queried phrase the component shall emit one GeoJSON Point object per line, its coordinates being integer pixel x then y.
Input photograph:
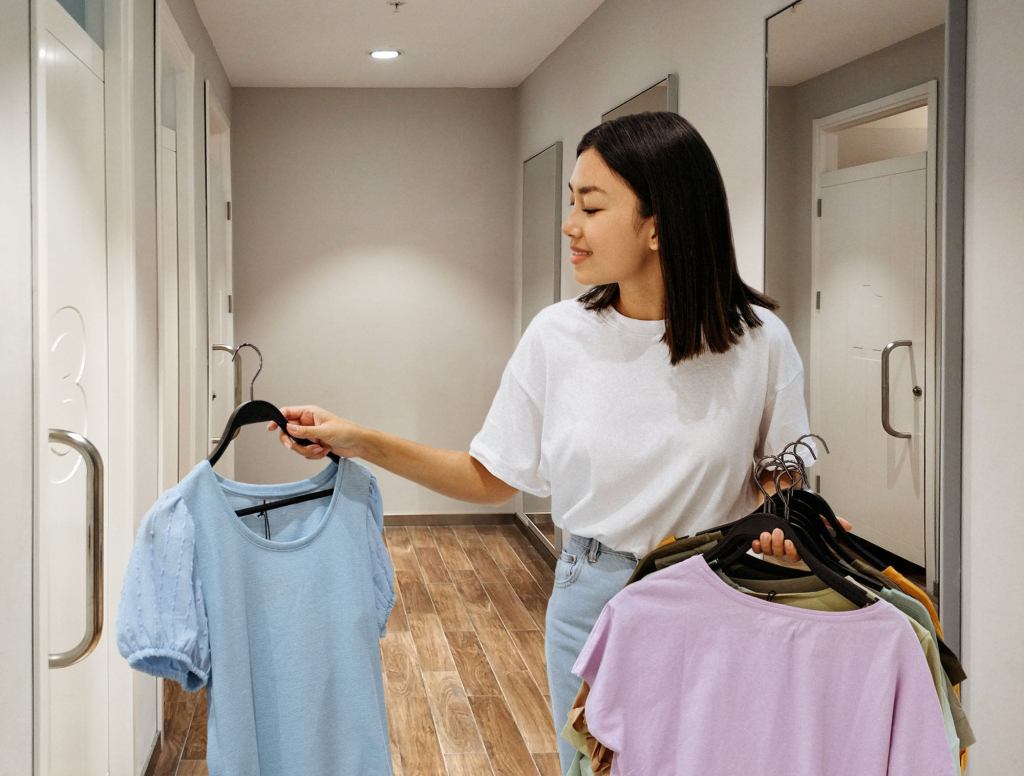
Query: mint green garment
{"type": "Point", "coordinates": [916, 611]}
{"type": "Point", "coordinates": [580, 765]}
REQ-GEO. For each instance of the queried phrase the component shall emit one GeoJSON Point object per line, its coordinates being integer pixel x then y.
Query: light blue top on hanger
{"type": "Point", "coordinates": [284, 631]}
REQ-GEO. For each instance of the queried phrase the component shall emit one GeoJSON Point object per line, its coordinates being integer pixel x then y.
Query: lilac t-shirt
{"type": "Point", "coordinates": [688, 676]}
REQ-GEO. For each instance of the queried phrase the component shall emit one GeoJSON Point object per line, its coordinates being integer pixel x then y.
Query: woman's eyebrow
{"type": "Point", "coordinates": [588, 189]}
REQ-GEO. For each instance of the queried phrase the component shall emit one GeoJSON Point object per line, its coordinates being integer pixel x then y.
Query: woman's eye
{"type": "Point", "coordinates": [590, 211]}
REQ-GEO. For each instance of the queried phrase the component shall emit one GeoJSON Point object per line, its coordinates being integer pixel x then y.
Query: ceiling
{"type": "Point", "coordinates": [468, 43]}
{"type": "Point", "coordinates": [816, 36]}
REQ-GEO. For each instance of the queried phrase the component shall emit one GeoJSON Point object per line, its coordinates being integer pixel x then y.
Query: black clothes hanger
{"type": "Point", "coordinates": [803, 509]}
{"type": "Point", "coordinates": [736, 542]}
{"type": "Point", "coordinates": [811, 504]}
{"type": "Point", "coordinates": [260, 411]}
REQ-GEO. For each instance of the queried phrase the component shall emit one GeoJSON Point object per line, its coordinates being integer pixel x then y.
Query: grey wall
{"type": "Point", "coordinates": [791, 110]}
{"type": "Point", "coordinates": [993, 373]}
{"type": "Point", "coordinates": [373, 263]}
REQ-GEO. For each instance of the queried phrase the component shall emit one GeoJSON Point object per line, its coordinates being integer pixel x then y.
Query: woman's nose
{"type": "Point", "coordinates": [569, 229]}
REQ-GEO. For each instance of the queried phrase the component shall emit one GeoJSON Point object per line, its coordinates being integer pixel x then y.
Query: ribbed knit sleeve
{"type": "Point", "coordinates": [383, 574]}
{"type": "Point", "coordinates": [161, 621]}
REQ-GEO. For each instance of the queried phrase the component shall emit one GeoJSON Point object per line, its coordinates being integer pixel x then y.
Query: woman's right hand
{"type": "Point", "coordinates": [326, 431]}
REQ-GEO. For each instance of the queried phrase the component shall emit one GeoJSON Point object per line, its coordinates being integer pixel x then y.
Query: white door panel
{"type": "Point", "coordinates": [871, 275]}
{"type": "Point", "coordinates": [72, 261]}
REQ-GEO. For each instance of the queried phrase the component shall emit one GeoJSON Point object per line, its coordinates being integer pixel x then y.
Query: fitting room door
{"type": "Point", "coordinates": [71, 248]}
{"type": "Point", "coordinates": [224, 392]}
{"type": "Point", "coordinates": [870, 325]}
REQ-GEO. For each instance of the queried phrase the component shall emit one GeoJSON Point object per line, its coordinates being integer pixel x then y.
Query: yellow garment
{"type": "Point", "coordinates": [667, 540]}
{"type": "Point", "coordinates": [914, 591]}
{"type": "Point", "coordinates": [600, 755]}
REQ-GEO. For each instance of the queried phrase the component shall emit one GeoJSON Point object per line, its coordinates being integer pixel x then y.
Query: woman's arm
{"type": "Point", "coordinates": [452, 473]}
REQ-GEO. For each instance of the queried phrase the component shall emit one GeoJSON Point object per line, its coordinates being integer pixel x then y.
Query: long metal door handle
{"type": "Point", "coordinates": [886, 352]}
{"type": "Point", "coordinates": [94, 548]}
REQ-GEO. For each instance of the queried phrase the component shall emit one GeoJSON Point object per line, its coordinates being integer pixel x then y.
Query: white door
{"type": "Point", "coordinates": [870, 273]}
{"type": "Point", "coordinates": [223, 373]}
{"type": "Point", "coordinates": [72, 330]}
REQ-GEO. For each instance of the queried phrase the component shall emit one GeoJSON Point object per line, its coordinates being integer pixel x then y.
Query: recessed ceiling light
{"type": "Point", "coordinates": [385, 54]}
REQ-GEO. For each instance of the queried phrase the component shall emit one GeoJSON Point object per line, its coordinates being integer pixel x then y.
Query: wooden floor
{"type": "Point", "coordinates": [463, 661]}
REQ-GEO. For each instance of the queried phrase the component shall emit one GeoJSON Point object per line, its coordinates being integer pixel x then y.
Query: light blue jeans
{"type": "Point", "coordinates": [587, 575]}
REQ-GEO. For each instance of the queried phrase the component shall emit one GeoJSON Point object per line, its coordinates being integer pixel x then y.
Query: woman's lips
{"type": "Point", "coordinates": [578, 256]}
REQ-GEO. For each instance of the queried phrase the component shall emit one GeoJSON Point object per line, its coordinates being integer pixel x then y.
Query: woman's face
{"type": "Point", "coordinates": [602, 229]}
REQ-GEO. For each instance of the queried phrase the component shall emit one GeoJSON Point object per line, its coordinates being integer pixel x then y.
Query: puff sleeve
{"type": "Point", "coordinates": [383, 573]}
{"type": "Point", "coordinates": [161, 621]}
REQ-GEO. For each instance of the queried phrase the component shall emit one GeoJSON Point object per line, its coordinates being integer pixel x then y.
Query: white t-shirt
{"type": "Point", "coordinates": [631, 449]}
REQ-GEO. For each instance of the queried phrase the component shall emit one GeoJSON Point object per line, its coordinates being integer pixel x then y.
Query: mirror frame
{"type": "Point", "coordinates": [671, 98]}
{"type": "Point", "coordinates": [950, 323]}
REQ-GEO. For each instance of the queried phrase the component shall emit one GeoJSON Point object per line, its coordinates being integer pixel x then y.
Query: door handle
{"type": "Point", "coordinates": [93, 545]}
{"type": "Point", "coordinates": [886, 352]}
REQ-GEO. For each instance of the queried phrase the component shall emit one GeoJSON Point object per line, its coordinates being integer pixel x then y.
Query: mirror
{"type": "Point", "coordinates": [853, 218]}
{"type": "Point", "coordinates": [541, 286]}
{"type": "Point", "coordinates": [664, 95]}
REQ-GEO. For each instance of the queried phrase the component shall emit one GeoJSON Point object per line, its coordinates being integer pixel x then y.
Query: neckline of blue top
{"type": "Point", "coordinates": [276, 490]}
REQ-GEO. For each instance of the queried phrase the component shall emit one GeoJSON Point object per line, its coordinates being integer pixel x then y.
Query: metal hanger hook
{"type": "Point", "coordinates": [260, 369]}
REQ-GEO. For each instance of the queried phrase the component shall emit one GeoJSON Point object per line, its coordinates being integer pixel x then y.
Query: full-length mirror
{"type": "Point", "coordinates": [853, 201]}
{"type": "Point", "coordinates": [541, 286]}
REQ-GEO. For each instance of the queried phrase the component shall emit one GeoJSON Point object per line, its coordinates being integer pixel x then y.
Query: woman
{"type": "Point", "coordinates": [638, 406]}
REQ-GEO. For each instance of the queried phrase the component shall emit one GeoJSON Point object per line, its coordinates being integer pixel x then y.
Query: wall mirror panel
{"type": "Point", "coordinates": [663, 95]}
{"type": "Point", "coordinates": [857, 198]}
{"type": "Point", "coordinates": [541, 286]}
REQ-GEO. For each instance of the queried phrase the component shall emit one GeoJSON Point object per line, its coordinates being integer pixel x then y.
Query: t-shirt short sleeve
{"type": "Point", "coordinates": [596, 665]}
{"type": "Point", "coordinates": [784, 419]}
{"type": "Point", "coordinates": [509, 443]}
{"type": "Point", "coordinates": [383, 573]}
{"type": "Point", "coordinates": [161, 621]}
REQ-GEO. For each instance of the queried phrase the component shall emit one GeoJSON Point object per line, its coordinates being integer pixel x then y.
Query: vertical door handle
{"type": "Point", "coordinates": [93, 548]}
{"type": "Point", "coordinates": [886, 352]}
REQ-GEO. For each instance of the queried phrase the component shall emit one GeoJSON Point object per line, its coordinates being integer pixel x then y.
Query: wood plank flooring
{"type": "Point", "coordinates": [463, 661]}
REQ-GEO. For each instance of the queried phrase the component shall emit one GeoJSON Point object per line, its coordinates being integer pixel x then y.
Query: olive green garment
{"type": "Point", "coordinates": [916, 611]}
{"type": "Point", "coordinates": [580, 765]}
{"type": "Point", "coordinates": [647, 563]}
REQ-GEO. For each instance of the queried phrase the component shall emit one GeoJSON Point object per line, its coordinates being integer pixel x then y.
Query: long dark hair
{"type": "Point", "coordinates": [672, 172]}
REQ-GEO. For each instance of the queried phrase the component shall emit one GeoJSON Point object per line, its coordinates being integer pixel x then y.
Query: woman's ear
{"type": "Point", "coordinates": [652, 239]}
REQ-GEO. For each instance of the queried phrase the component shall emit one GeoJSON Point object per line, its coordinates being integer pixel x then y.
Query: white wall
{"type": "Point", "coordinates": [993, 375]}
{"type": "Point", "coordinates": [373, 264]}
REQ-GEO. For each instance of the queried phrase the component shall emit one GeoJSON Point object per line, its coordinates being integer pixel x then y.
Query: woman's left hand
{"type": "Point", "coordinates": [776, 547]}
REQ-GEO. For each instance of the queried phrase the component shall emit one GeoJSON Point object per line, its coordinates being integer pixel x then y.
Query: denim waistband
{"type": "Point", "coordinates": [594, 549]}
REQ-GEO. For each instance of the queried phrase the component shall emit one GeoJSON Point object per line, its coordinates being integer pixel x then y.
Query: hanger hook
{"type": "Point", "coordinates": [756, 473]}
{"type": "Point", "coordinates": [260, 369]}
